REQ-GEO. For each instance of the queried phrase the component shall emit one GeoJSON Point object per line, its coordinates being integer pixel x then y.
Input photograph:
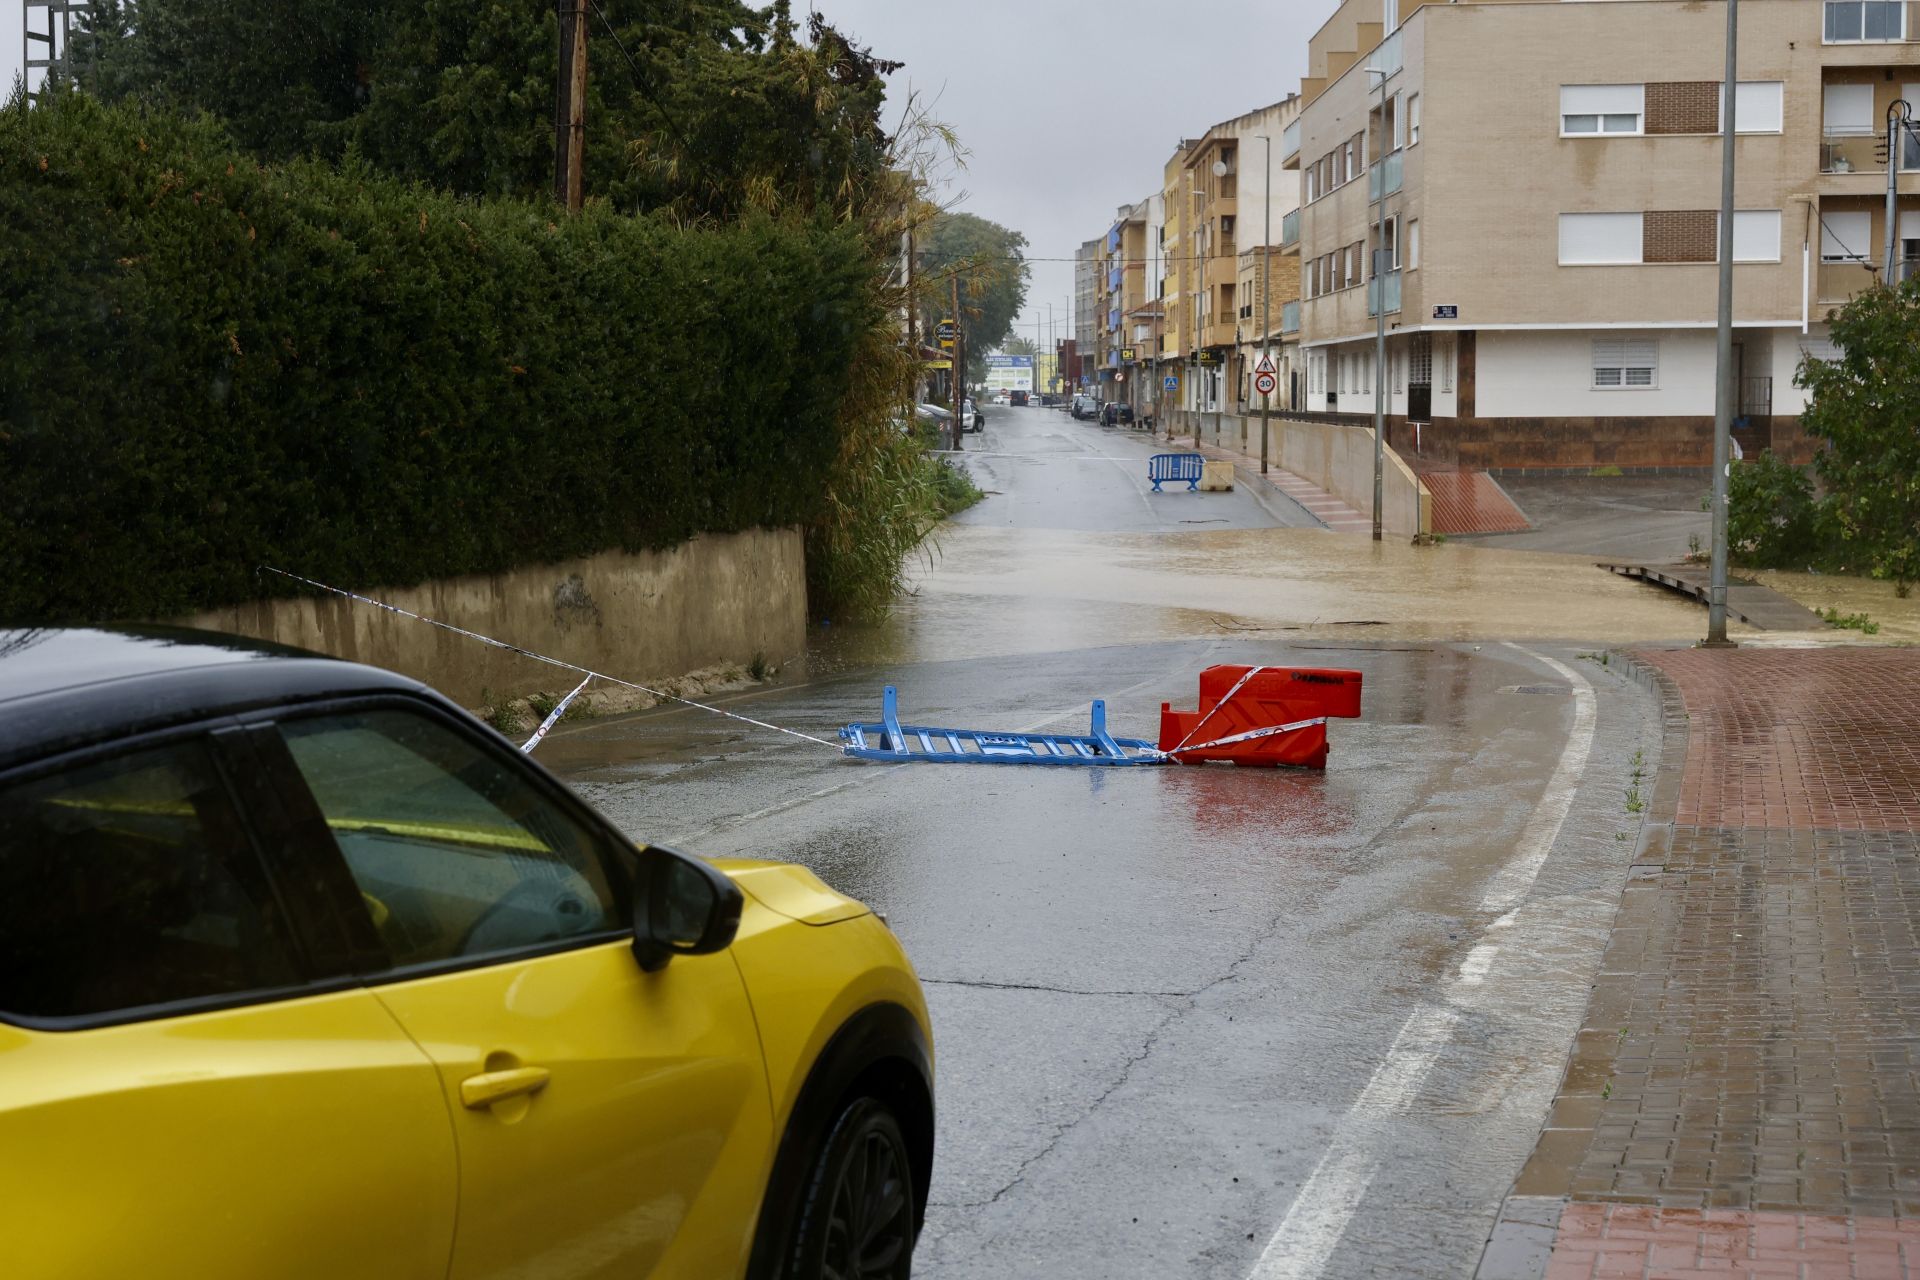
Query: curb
{"type": "Point", "coordinates": [1521, 1238]}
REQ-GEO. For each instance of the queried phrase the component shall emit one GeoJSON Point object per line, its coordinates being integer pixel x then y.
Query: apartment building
{"type": "Point", "coordinates": [1233, 213]}
{"type": "Point", "coordinates": [1086, 312]}
{"type": "Point", "coordinates": [1129, 289]}
{"type": "Point", "coordinates": [1542, 181]}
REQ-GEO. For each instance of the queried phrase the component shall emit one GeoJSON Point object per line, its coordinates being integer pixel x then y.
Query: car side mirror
{"type": "Point", "coordinates": [682, 906]}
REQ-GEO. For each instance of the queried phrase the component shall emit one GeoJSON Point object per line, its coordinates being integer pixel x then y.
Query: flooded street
{"type": "Point", "coordinates": [1204, 1021]}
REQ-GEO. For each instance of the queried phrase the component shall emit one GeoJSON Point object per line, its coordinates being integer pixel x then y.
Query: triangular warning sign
{"type": "Point", "coordinates": [1265, 365]}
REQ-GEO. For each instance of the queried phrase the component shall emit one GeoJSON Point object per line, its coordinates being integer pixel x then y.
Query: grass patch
{"type": "Point", "coordinates": [1850, 621]}
{"type": "Point", "coordinates": [1606, 473]}
{"type": "Point", "coordinates": [953, 490]}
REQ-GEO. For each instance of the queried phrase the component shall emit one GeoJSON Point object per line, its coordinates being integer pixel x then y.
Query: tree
{"type": "Point", "coordinates": [285, 75]}
{"type": "Point", "coordinates": [990, 263]}
{"type": "Point", "coordinates": [1019, 344]}
{"type": "Point", "coordinates": [1866, 407]}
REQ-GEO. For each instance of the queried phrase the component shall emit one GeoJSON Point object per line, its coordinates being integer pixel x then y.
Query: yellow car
{"type": "Point", "coordinates": [305, 973]}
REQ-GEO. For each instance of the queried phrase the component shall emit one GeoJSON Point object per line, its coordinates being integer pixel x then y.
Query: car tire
{"type": "Point", "coordinates": [856, 1220]}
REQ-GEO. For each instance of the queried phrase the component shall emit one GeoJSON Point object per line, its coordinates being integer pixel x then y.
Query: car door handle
{"type": "Point", "coordinates": [492, 1086]}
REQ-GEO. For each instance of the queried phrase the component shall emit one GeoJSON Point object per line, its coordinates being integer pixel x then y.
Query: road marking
{"type": "Point", "coordinates": [1479, 962]}
{"type": "Point", "coordinates": [1318, 1217]}
{"type": "Point", "coordinates": [1325, 1205]}
{"type": "Point", "coordinates": [1543, 824]}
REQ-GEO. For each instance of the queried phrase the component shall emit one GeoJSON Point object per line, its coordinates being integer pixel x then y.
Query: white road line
{"type": "Point", "coordinates": [1543, 824]}
{"type": "Point", "coordinates": [1325, 1205]}
{"type": "Point", "coordinates": [1318, 1217]}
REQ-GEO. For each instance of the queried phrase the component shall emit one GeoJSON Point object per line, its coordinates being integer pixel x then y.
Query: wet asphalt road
{"type": "Point", "coordinates": [1192, 1021]}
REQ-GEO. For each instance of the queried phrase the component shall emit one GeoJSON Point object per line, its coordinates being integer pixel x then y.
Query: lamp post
{"type": "Point", "coordinates": [1266, 294]}
{"type": "Point", "coordinates": [1380, 328]}
{"type": "Point", "coordinates": [1723, 354]}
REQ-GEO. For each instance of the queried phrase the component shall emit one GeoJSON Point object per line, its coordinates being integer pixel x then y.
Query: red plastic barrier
{"type": "Point", "coordinates": [1248, 705]}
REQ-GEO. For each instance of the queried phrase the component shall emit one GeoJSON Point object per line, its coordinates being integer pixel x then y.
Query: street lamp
{"type": "Point", "coordinates": [1723, 355]}
{"type": "Point", "coordinates": [1380, 326]}
{"type": "Point", "coordinates": [1266, 294]}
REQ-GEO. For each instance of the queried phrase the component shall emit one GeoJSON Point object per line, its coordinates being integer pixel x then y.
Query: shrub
{"type": "Point", "coordinates": [206, 364]}
{"type": "Point", "coordinates": [1771, 515]}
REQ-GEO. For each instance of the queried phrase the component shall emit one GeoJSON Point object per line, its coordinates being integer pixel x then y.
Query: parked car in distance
{"type": "Point", "coordinates": [1085, 406]}
{"type": "Point", "coordinates": [307, 973]}
{"type": "Point", "coordinates": [973, 419]}
{"type": "Point", "coordinates": [1017, 397]}
{"type": "Point", "coordinates": [1116, 413]}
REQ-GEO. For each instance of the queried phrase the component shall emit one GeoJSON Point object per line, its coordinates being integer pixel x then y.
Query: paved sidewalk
{"type": "Point", "coordinates": [1744, 1096]}
{"type": "Point", "coordinates": [1330, 511]}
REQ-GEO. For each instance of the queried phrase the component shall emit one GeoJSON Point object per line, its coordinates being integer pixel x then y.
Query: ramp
{"type": "Point", "coordinates": [1755, 605]}
{"type": "Point", "coordinates": [1471, 502]}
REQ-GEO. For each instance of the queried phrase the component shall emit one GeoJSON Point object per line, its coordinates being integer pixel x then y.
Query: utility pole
{"type": "Point", "coordinates": [1898, 116]}
{"type": "Point", "coordinates": [1380, 325]}
{"type": "Point", "coordinates": [959, 364]}
{"type": "Point", "coordinates": [1723, 354]}
{"type": "Point", "coordinates": [570, 105]}
{"type": "Point", "coordinates": [1266, 297]}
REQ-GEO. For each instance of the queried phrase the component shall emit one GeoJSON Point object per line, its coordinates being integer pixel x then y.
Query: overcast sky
{"type": "Point", "coordinates": [1067, 108]}
{"type": "Point", "coordinates": [1070, 108]}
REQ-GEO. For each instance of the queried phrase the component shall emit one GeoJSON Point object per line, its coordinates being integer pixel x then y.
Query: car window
{"type": "Point", "coordinates": [130, 881]}
{"type": "Point", "coordinates": [455, 853]}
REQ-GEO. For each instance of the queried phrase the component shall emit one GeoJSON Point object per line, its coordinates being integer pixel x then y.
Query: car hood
{"type": "Point", "coordinates": [791, 891]}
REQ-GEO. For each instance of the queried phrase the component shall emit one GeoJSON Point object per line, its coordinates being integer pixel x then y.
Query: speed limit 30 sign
{"type": "Point", "coordinates": [1264, 383]}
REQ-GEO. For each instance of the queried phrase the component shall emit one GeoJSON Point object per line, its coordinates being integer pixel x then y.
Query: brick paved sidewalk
{"type": "Point", "coordinates": [1744, 1096]}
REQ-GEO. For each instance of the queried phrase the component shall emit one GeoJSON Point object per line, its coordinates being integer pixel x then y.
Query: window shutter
{"type": "Point", "coordinates": [1602, 99]}
{"type": "Point", "coordinates": [1849, 108]}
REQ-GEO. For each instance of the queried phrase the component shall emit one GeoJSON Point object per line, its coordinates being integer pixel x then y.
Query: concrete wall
{"type": "Point", "coordinates": [720, 598]}
{"type": "Point", "coordinates": [1339, 459]}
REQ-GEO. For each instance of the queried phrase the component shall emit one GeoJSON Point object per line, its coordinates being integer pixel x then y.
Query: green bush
{"type": "Point", "coordinates": [1772, 520]}
{"type": "Point", "coordinates": [206, 365]}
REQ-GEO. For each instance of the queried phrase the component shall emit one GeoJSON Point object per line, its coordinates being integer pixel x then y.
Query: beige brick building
{"type": "Point", "coordinates": [1544, 179]}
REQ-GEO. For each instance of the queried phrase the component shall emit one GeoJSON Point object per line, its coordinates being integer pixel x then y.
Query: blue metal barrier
{"type": "Point", "coordinates": [891, 740]}
{"type": "Point", "coordinates": [1175, 466]}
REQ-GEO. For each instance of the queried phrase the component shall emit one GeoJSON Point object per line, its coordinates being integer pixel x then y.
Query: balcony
{"type": "Point", "coordinates": [1290, 142]}
{"type": "Point", "coordinates": [1290, 231]}
{"type": "Point", "coordinates": [1392, 282]}
{"type": "Point", "coordinates": [1383, 179]}
{"type": "Point", "coordinates": [1839, 281]}
{"type": "Point", "coordinates": [1864, 153]}
{"type": "Point", "coordinates": [1114, 276]}
{"type": "Point", "coordinates": [1221, 333]}
{"type": "Point", "coordinates": [1290, 317]}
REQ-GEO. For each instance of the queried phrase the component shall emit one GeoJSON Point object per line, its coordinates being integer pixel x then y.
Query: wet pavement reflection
{"type": "Point", "coordinates": [1161, 994]}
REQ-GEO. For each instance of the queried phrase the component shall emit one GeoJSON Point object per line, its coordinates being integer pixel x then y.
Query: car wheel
{"type": "Point", "coordinates": [857, 1219]}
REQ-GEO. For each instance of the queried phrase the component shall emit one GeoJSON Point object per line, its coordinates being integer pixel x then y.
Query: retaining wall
{"type": "Point", "coordinates": [720, 598]}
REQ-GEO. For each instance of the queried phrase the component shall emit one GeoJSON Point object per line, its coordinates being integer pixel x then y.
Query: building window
{"type": "Point", "coordinates": [1591, 109]}
{"type": "Point", "coordinates": [1757, 107]}
{"type": "Point", "coordinates": [1847, 108]}
{"type": "Point", "coordinates": [1413, 244]}
{"type": "Point", "coordinates": [1446, 367]}
{"type": "Point", "coordinates": [1312, 173]}
{"type": "Point", "coordinates": [1391, 230]}
{"type": "Point", "coordinates": [1600, 238]}
{"type": "Point", "coordinates": [1350, 157]}
{"type": "Point", "coordinates": [1756, 233]}
{"type": "Point", "coordinates": [1851, 20]}
{"type": "Point", "coordinates": [1846, 237]}
{"type": "Point", "coordinates": [1397, 111]}
{"type": "Point", "coordinates": [1413, 119]}
{"type": "Point", "coordinates": [1626, 363]}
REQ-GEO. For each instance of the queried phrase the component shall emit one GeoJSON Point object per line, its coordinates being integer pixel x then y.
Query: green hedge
{"type": "Point", "coordinates": [206, 365]}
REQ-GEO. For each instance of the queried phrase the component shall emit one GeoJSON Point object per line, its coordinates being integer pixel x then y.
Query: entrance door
{"type": "Point", "coordinates": [1420, 378]}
